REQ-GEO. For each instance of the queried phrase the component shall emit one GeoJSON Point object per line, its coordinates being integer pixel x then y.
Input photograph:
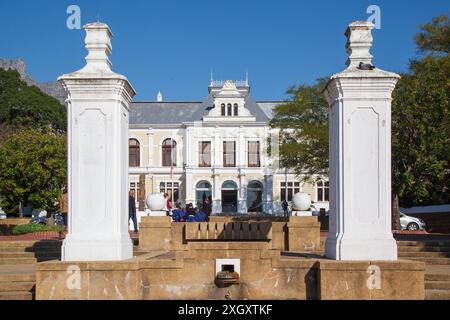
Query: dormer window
{"type": "Point", "coordinates": [236, 108]}
{"type": "Point", "coordinates": [229, 110]}
{"type": "Point", "coordinates": [223, 109]}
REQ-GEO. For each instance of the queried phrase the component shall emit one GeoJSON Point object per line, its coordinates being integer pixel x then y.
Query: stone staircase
{"type": "Point", "coordinates": [436, 255]}
{"type": "Point", "coordinates": [17, 266]}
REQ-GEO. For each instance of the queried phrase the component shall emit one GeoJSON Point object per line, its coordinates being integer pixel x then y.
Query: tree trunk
{"type": "Point", "coordinates": [141, 192]}
{"type": "Point", "coordinates": [20, 210]}
{"type": "Point", "coordinates": [395, 212]}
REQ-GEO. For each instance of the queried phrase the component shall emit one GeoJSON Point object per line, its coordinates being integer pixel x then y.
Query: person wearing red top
{"type": "Point", "coordinates": [168, 206]}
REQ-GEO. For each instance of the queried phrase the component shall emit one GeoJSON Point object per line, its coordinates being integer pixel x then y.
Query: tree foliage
{"type": "Point", "coordinates": [421, 133]}
{"type": "Point", "coordinates": [303, 123]}
{"type": "Point", "coordinates": [23, 106]}
{"type": "Point", "coordinates": [32, 168]}
{"type": "Point", "coordinates": [434, 37]}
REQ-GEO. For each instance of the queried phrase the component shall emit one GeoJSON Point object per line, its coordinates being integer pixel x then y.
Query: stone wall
{"type": "Point", "coordinates": [265, 273]}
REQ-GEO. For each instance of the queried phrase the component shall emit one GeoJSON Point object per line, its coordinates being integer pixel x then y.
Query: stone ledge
{"type": "Point", "coordinates": [405, 265]}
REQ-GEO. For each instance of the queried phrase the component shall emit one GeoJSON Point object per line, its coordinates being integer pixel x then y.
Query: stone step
{"type": "Point", "coordinates": [27, 276]}
{"type": "Point", "coordinates": [30, 249]}
{"type": "Point", "coordinates": [16, 295]}
{"type": "Point", "coordinates": [17, 261]}
{"type": "Point", "coordinates": [437, 285]}
{"type": "Point", "coordinates": [35, 244]}
{"type": "Point", "coordinates": [423, 249]}
{"type": "Point", "coordinates": [437, 294]}
{"type": "Point", "coordinates": [16, 255]}
{"type": "Point", "coordinates": [437, 277]}
{"type": "Point", "coordinates": [424, 254]}
{"type": "Point", "coordinates": [430, 261]}
{"type": "Point", "coordinates": [16, 286]}
{"type": "Point", "coordinates": [423, 243]}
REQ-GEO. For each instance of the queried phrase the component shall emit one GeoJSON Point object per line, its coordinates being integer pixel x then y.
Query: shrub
{"type": "Point", "coordinates": [31, 228]}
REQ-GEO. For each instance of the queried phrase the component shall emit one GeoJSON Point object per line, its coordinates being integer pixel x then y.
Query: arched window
{"type": "Point", "coordinates": [229, 185]}
{"type": "Point", "coordinates": [254, 196]}
{"type": "Point", "coordinates": [323, 191]}
{"type": "Point", "coordinates": [134, 153]}
{"type": "Point", "coordinates": [236, 110]}
{"type": "Point", "coordinates": [230, 110]}
{"type": "Point", "coordinates": [203, 190]}
{"type": "Point", "coordinates": [223, 109]}
{"type": "Point", "coordinates": [169, 153]}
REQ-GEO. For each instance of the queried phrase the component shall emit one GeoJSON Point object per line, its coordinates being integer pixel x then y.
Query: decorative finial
{"type": "Point", "coordinates": [359, 42]}
{"type": "Point", "coordinates": [212, 76]}
{"type": "Point", "coordinates": [246, 77]}
{"type": "Point", "coordinates": [159, 98]}
{"type": "Point", "coordinates": [98, 44]}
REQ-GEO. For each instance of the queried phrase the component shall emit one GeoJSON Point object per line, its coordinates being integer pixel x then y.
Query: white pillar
{"type": "Point", "coordinates": [216, 193]}
{"type": "Point", "coordinates": [241, 148]}
{"type": "Point", "coordinates": [268, 191]}
{"type": "Point", "coordinates": [190, 188]}
{"type": "Point", "coordinates": [242, 201]}
{"type": "Point", "coordinates": [98, 116]}
{"type": "Point", "coordinates": [150, 134]}
{"type": "Point", "coordinates": [360, 155]}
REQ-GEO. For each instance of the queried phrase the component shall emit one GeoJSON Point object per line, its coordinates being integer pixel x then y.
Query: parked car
{"type": "Point", "coordinates": [411, 223]}
{"type": "Point", "coordinates": [39, 217]}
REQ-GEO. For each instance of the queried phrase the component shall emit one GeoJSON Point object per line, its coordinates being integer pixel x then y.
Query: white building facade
{"type": "Point", "coordinates": [215, 149]}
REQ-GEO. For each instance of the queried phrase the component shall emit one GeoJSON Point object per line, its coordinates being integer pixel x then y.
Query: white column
{"type": "Point", "coordinates": [242, 201]}
{"type": "Point", "coordinates": [218, 158]}
{"type": "Point", "coordinates": [150, 147]}
{"type": "Point", "coordinates": [216, 194]}
{"type": "Point", "coordinates": [241, 148]}
{"type": "Point", "coordinates": [190, 188]}
{"type": "Point", "coordinates": [268, 191]}
{"type": "Point", "coordinates": [98, 116]}
{"type": "Point", "coordinates": [360, 155]}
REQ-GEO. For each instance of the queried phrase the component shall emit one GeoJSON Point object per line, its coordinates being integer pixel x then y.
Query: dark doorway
{"type": "Point", "coordinates": [229, 201]}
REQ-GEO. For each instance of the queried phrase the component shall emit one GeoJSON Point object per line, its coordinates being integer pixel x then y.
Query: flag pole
{"type": "Point", "coordinates": [171, 170]}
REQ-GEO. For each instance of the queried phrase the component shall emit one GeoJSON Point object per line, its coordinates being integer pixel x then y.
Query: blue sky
{"type": "Point", "coordinates": [172, 45]}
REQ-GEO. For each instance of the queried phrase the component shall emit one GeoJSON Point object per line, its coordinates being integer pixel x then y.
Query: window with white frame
{"type": "Point", "coordinates": [229, 153]}
{"type": "Point", "coordinates": [289, 189]}
{"type": "Point", "coordinates": [171, 188]}
{"type": "Point", "coordinates": [204, 154]}
{"type": "Point", "coordinates": [254, 158]}
{"type": "Point", "coordinates": [134, 153]}
{"type": "Point", "coordinates": [323, 191]}
{"type": "Point", "coordinates": [135, 189]}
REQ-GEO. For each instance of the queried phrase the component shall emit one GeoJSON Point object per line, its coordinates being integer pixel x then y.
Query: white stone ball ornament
{"type": "Point", "coordinates": [155, 201]}
{"type": "Point", "coordinates": [301, 201]}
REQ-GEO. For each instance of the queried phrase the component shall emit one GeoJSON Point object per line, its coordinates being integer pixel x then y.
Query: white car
{"type": "Point", "coordinates": [411, 223]}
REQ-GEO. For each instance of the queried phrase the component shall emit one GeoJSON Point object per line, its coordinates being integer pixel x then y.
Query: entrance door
{"type": "Point", "coordinates": [229, 197]}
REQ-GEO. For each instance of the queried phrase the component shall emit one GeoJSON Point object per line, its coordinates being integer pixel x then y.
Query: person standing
{"type": "Point", "coordinates": [64, 205]}
{"type": "Point", "coordinates": [132, 211]}
{"type": "Point", "coordinates": [285, 206]}
{"type": "Point", "coordinates": [167, 204]}
{"type": "Point", "coordinates": [207, 208]}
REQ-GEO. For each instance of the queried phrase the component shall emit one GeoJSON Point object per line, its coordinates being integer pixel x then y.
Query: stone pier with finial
{"type": "Point", "coordinates": [98, 116]}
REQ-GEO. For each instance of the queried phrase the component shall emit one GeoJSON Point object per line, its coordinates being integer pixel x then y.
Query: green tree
{"type": "Point", "coordinates": [32, 168]}
{"type": "Point", "coordinates": [303, 123]}
{"type": "Point", "coordinates": [23, 106]}
{"type": "Point", "coordinates": [434, 37]}
{"type": "Point", "coordinates": [420, 133]}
